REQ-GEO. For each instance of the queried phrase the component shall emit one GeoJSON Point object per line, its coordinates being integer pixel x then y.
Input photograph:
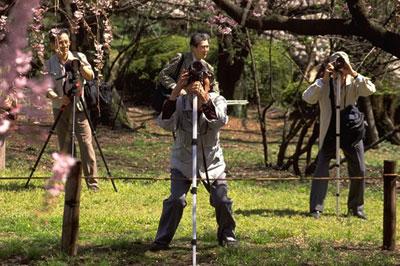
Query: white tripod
{"type": "Point", "coordinates": [194, 177]}
{"type": "Point", "coordinates": [338, 84]}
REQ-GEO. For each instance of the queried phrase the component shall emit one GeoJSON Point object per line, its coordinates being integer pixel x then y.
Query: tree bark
{"type": "Point", "coordinates": [357, 25]}
{"type": "Point", "coordinates": [371, 131]}
{"type": "Point", "coordinates": [231, 61]}
{"type": "Point", "coordinates": [2, 152]}
{"type": "Point", "coordinates": [383, 121]}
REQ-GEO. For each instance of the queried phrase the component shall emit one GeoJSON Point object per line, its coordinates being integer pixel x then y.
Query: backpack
{"type": "Point", "coordinates": [91, 94]}
{"type": "Point", "coordinates": [352, 126]}
{"type": "Point", "coordinates": [161, 93]}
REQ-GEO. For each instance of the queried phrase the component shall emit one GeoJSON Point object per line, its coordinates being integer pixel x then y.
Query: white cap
{"type": "Point", "coordinates": [341, 54]}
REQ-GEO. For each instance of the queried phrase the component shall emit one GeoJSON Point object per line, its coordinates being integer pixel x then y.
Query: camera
{"type": "Point", "coordinates": [197, 72]}
{"type": "Point", "coordinates": [72, 72]}
{"type": "Point", "coordinates": [339, 63]}
{"type": "Point", "coordinates": [72, 66]}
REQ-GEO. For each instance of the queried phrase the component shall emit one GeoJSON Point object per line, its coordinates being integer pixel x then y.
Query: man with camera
{"type": "Point", "coordinates": [176, 116]}
{"type": "Point", "coordinates": [199, 46]}
{"type": "Point", "coordinates": [68, 71]}
{"type": "Point", "coordinates": [323, 92]}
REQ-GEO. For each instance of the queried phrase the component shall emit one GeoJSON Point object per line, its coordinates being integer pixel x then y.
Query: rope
{"type": "Point", "coordinates": [266, 179]}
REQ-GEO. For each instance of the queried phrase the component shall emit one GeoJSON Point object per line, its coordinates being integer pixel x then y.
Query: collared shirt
{"type": "Point", "coordinates": [318, 92]}
{"type": "Point", "coordinates": [56, 70]}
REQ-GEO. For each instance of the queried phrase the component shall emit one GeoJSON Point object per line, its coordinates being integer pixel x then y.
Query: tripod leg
{"type": "Point", "coordinates": [51, 132]}
{"type": "Point", "coordinates": [98, 146]}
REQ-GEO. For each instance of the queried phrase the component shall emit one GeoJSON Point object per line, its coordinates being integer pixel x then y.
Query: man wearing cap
{"type": "Point", "coordinates": [353, 86]}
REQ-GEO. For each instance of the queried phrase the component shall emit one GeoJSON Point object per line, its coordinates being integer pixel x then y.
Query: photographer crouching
{"type": "Point", "coordinates": [68, 71]}
{"type": "Point", "coordinates": [323, 92]}
{"type": "Point", "coordinates": [176, 116]}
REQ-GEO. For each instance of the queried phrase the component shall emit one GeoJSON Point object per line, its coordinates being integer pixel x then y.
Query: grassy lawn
{"type": "Point", "coordinates": [116, 228]}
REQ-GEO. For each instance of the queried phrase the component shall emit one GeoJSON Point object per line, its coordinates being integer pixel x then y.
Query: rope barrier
{"type": "Point", "coordinates": [227, 179]}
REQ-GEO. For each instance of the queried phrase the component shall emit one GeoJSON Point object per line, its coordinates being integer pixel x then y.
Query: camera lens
{"type": "Point", "coordinates": [339, 63]}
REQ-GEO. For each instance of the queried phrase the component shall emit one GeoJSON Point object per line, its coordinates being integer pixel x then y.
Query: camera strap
{"type": "Point", "coordinates": [206, 183]}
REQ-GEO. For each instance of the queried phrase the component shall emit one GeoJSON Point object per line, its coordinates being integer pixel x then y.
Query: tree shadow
{"type": "Point", "coordinates": [18, 186]}
{"type": "Point", "coordinates": [275, 212]}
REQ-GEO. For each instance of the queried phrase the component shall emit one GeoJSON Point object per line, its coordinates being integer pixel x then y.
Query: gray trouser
{"type": "Point", "coordinates": [356, 168]}
{"type": "Point", "coordinates": [174, 205]}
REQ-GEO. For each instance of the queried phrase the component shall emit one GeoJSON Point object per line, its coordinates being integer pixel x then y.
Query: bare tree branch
{"type": "Point", "coordinates": [357, 25]}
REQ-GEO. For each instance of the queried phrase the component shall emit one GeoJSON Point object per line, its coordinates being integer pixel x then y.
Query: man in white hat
{"type": "Point", "coordinates": [353, 86]}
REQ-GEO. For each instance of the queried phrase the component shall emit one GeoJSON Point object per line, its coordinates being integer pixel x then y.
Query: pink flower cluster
{"type": "Point", "coordinates": [3, 27]}
{"type": "Point", "coordinates": [61, 168]}
{"type": "Point", "coordinates": [37, 36]}
{"type": "Point", "coordinates": [101, 10]}
{"type": "Point", "coordinates": [223, 24]}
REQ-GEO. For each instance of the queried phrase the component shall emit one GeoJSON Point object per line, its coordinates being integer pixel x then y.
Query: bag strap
{"type": "Point", "coordinates": [178, 67]}
{"type": "Point", "coordinates": [331, 96]}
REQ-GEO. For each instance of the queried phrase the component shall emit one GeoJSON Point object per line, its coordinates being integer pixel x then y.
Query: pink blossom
{"type": "Point", "coordinates": [4, 126]}
{"type": "Point", "coordinates": [40, 87]}
{"type": "Point", "coordinates": [61, 168]}
{"type": "Point", "coordinates": [20, 82]}
{"type": "Point", "coordinates": [3, 23]}
{"type": "Point", "coordinates": [4, 85]}
{"type": "Point", "coordinates": [78, 15]}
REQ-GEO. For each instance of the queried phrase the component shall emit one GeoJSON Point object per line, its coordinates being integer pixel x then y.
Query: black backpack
{"type": "Point", "coordinates": [91, 92]}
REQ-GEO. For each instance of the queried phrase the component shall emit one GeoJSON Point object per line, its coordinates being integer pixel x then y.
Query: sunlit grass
{"type": "Point", "coordinates": [116, 227]}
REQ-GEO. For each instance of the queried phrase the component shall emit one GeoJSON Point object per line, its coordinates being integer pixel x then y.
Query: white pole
{"type": "Point", "coordinates": [338, 82]}
{"type": "Point", "coordinates": [194, 177]}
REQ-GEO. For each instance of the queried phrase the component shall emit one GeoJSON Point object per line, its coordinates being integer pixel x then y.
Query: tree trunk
{"type": "Point", "coordinates": [384, 123]}
{"type": "Point", "coordinates": [113, 112]}
{"type": "Point", "coordinates": [371, 131]}
{"type": "Point", "coordinates": [2, 152]}
{"type": "Point", "coordinates": [231, 61]}
{"type": "Point", "coordinates": [294, 128]}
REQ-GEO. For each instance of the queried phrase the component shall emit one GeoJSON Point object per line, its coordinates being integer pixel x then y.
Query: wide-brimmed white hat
{"type": "Point", "coordinates": [341, 54]}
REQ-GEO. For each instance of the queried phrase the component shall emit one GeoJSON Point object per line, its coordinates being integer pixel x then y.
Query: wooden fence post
{"type": "Point", "coordinates": [389, 205]}
{"type": "Point", "coordinates": [70, 226]}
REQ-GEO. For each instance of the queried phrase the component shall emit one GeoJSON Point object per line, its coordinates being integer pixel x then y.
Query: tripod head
{"type": "Point", "coordinates": [73, 75]}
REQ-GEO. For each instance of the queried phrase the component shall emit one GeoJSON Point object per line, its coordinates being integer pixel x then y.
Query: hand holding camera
{"type": "Point", "coordinates": [181, 86]}
{"type": "Point", "coordinates": [338, 66]}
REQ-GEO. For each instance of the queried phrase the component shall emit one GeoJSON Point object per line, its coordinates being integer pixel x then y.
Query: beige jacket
{"type": "Point", "coordinates": [318, 92]}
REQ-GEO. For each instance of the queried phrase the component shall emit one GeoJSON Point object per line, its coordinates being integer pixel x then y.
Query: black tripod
{"type": "Point", "coordinates": [51, 132]}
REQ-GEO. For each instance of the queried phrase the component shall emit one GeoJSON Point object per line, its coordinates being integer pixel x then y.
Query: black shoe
{"type": "Point", "coordinates": [359, 214]}
{"type": "Point", "coordinates": [316, 214]}
{"type": "Point", "coordinates": [157, 247]}
{"type": "Point", "coordinates": [228, 241]}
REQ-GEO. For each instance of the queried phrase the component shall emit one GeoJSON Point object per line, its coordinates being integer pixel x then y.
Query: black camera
{"type": "Point", "coordinates": [72, 71]}
{"type": "Point", "coordinates": [197, 72]}
{"type": "Point", "coordinates": [339, 63]}
{"type": "Point", "coordinates": [72, 66]}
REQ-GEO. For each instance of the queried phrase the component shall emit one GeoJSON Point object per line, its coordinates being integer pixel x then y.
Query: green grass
{"type": "Point", "coordinates": [116, 228]}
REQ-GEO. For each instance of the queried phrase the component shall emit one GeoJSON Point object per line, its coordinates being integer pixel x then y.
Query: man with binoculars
{"type": "Point", "coordinates": [349, 85]}
{"type": "Point", "coordinates": [196, 81]}
{"type": "Point", "coordinates": [68, 71]}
